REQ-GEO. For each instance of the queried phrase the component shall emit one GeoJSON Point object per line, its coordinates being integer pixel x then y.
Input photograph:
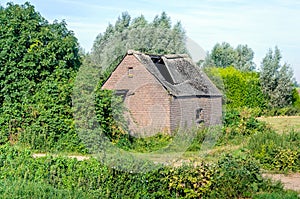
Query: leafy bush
{"type": "Point", "coordinates": [110, 114]}
{"type": "Point", "coordinates": [62, 176]}
{"type": "Point", "coordinates": [285, 111]}
{"type": "Point", "coordinates": [276, 151]}
{"type": "Point", "coordinates": [241, 89]}
{"type": "Point", "coordinates": [238, 177]}
{"type": "Point", "coordinates": [296, 98]}
{"type": "Point", "coordinates": [38, 63]}
{"type": "Point", "coordinates": [240, 123]}
{"type": "Point", "coordinates": [189, 181]}
{"type": "Point", "coordinates": [148, 144]}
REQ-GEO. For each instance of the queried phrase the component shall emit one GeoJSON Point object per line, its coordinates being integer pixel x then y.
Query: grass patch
{"type": "Point", "coordinates": [26, 189]}
{"type": "Point", "coordinates": [283, 123]}
{"type": "Point", "coordinates": [275, 195]}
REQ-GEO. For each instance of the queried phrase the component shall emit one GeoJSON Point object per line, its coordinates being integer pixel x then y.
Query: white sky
{"type": "Point", "coordinates": [261, 24]}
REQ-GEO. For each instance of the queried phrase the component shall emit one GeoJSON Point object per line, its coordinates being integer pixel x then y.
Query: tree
{"type": "Point", "coordinates": [244, 60]}
{"type": "Point", "coordinates": [157, 37]}
{"type": "Point", "coordinates": [122, 22]}
{"type": "Point", "coordinates": [162, 21]}
{"type": "Point", "coordinates": [38, 62]}
{"type": "Point", "coordinates": [224, 55]}
{"type": "Point", "coordinates": [276, 79]}
{"type": "Point", "coordinates": [139, 22]}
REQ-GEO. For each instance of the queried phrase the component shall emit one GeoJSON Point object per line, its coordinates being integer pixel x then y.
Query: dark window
{"type": "Point", "coordinates": [199, 116]}
{"type": "Point", "coordinates": [130, 71]}
{"type": "Point", "coordinates": [121, 93]}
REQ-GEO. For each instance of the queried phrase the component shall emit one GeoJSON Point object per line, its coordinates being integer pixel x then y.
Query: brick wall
{"type": "Point", "coordinates": [184, 111]}
{"type": "Point", "coordinates": [151, 108]}
{"type": "Point", "coordinates": [147, 100]}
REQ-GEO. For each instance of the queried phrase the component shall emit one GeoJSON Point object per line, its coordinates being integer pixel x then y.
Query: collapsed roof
{"type": "Point", "coordinates": [178, 74]}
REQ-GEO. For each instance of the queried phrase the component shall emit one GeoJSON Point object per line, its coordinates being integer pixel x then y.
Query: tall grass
{"type": "Point", "coordinates": [20, 188]}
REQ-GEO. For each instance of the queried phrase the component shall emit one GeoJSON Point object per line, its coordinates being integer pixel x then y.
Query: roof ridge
{"type": "Point", "coordinates": [168, 56]}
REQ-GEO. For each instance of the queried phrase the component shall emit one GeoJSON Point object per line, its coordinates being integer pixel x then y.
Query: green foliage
{"type": "Point", "coordinates": [65, 177]}
{"type": "Point", "coordinates": [224, 55]}
{"type": "Point", "coordinates": [236, 177]}
{"type": "Point", "coordinates": [276, 80]}
{"type": "Point", "coordinates": [244, 61]}
{"type": "Point", "coordinates": [38, 62]}
{"type": "Point", "coordinates": [148, 144]}
{"type": "Point", "coordinates": [189, 181]}
{"type": "Point", "coordinates": [196, 144]}
{"type": "Point", "coordinates": [157, 37]}
{"type": "Point", "coordinates": [296, 98]}
{"type": "Point", "coordinates": [276, 151]}
{"type": "Point", "coordinates": [27, 189]}
{"type": "Point", "coordinates": [110, 113]}
{"type": "Point", "coordinates": [277, 195]}
{"type": "Point", "coordinates": [241, 89]}
{"type": "Point", "coordinates": [240, 124]}
{"type": "Point", "coordinates": [285, 111]}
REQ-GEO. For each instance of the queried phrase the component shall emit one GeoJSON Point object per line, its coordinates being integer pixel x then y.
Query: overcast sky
{"type": "Point", "coordinates": [261, 24]}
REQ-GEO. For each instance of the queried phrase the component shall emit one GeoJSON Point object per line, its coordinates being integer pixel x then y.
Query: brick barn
{"type": "Point", "coordinates": [164, 92]}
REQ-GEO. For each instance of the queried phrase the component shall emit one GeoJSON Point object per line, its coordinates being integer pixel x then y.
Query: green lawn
{"type": "Point", "coordinates": [283, 123]}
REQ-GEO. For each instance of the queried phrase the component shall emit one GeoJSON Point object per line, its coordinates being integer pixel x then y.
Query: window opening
{"type": "Point", "coordinates": [130, 71]}
{"type": "Point", "coordinates": [121, 93]}
{"type": "Point", "coordinates": [199, 116]}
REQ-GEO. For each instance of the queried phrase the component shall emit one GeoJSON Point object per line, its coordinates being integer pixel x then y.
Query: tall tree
{"type": "Point", "coordinates": [139, 22]}
{"type": "Point", "coordinates": [122, 22]}
{"type": "Point", "coordinates": [157, 37]}
{"type": "Point", "coordinates": [223, 55]}
{"type": "Point", "coordinates": [244, 60]}
{"type": "Point", "coordinates": [38, 61]}
{"type": "Point", "coordinates": [276, 79]}
{"type": "Point", "coordinates": [162, 21]}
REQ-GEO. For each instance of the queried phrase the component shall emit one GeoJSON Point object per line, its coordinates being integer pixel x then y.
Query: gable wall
{"type": "Point", "coordinates": [147, 99]}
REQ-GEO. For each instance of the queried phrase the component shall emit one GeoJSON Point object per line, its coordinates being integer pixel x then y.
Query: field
{"type": "Point", "coordinates": [283, 124]}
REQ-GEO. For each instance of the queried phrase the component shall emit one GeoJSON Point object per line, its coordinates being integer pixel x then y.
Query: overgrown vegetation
{"type": "Point", "coordinates": [241, 89]}
{"type": "Point", "coordinates": [65, 177]}
{"type": "Point", "coordinates": [272, 90]}
{"type": "Point", "coordinates": [156, 37]}
{"type": "Point", "coordinates": [38, 65]}
{"type": "Point", "coordinates": [276, 151]}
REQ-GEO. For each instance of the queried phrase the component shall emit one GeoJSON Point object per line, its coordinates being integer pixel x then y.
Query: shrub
{"type": "Point", "coordinates": [237, 177]}
{"type": "Point", "coordinates": [241, 122]}
{"type": "Point", "coordinates": [110, 111]}
{"type": "Point", "coordinates": [275, 151]}
{"type": "Point", "coordinates": [232, 177]}
{"type": "Point", "coordinates": [241, 89]}
{"type": "Point", "coordinates": [38, 63]}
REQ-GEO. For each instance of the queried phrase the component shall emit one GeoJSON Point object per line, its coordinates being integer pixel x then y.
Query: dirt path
{"type": "Point", "coordinates": [78, 157]}
{"type": "Point", "coordinates": [290, 181]}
